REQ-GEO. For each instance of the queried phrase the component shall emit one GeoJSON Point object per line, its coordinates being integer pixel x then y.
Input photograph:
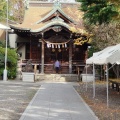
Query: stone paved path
{"type": "Point", "coordinates": [57, 101]}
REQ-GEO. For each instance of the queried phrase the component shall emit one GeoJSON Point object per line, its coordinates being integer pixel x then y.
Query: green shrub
{"type": "Point", "coordinates": [11, 62]}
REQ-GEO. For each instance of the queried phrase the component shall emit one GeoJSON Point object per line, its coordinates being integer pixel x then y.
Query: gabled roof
{"type": "Point", "coordinates": [55, 10]}
{"type": "Point", "coordinates": [41, 13]}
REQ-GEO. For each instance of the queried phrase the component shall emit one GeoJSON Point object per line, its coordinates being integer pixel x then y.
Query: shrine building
{"type": "Point", "coordinates": [46, 35]}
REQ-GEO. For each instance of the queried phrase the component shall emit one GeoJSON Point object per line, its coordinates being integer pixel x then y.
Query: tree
{"type": "Point", "coordinates": [2, 10]}
{"type": "Point", "coordinates": [98, 11]}
{"type": "Point", "coordinates": [102, 19]}
{"type": "Point", "coordinates": [15, 13]}
{"type": "Point", "coordinates": [11, 61]}
{"type": "Point", "coordinates": [15, 10]}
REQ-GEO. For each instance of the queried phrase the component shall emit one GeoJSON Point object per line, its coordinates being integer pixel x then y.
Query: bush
{"type": "Point", "coordinates": [11, 62]}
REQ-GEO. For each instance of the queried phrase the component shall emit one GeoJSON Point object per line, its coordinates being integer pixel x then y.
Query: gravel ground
{"type": "Point", "coordinates": [98, 104]}
{"type": "Point", "coordinates": [14, 98]}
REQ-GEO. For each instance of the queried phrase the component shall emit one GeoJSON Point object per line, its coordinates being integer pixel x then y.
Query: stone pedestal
{"type": "Point", "coordinates": [87, 77]}
{"type": "Point", "coordinates": [28, 77]}
{"type": "Point", "coordinates": [28, 74]}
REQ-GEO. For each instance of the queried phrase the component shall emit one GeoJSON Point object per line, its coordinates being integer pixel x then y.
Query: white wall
{"type": "Point", "coordinates": [22, 50]}
{"type": "Point", "coordinates": [12, 40]}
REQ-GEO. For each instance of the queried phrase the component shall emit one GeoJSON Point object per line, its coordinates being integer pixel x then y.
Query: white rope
{"type": "Point", "coordinates": [56, 43]}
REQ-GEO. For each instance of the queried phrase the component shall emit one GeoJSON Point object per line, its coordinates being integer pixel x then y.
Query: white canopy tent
{"type": "Point", "coordinates": [111, 55]}
{"type": "Point", "coordinates": [3, 27]}
{"type": "Point", "coordinates": [96, 54]}
{"type": "Point", "coordinates": [108, 55]}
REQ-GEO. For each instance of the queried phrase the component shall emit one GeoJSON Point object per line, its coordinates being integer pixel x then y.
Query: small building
{"type": "Point", "coordinates": [45, 35]}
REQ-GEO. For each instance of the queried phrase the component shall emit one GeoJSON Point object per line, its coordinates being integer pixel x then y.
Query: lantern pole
{"type": "Point", "coordinates": [5, 70]}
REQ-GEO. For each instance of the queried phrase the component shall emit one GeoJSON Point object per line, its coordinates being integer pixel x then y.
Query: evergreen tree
{"type": "Point", "coordinates": [102, 19]}
{"type": "Point", "coordinates": [98, 11]}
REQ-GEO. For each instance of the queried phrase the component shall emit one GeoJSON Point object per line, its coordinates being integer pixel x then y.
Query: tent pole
{"type": "Point", "coordinates": [86, 78]}
{"type": "Point", "coordinates": [107, 75]}
{"type": "Point", "coordinates": [93, 80]}
{"type": "Point", "coordinates": [107, 84]}
{"type": "Point", "coordinates": [112, 66]}
{"type": "Point", "coordinates": [101, 72]}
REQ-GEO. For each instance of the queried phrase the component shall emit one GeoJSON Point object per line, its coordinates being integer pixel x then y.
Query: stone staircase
{"type": "Point", "coordinates": [50, 74]}
{"type": "Point", "coordinates": [51, 70]}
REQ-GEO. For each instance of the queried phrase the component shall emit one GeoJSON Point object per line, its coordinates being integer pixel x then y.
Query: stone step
{"type": "Point", "coordinates": [50, 69]}
{"type": "Point", "coordinates": [56, 77]}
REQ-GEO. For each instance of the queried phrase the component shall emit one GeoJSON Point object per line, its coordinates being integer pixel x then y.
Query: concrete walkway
{"type": "Point", "coordinates": [57, 101]}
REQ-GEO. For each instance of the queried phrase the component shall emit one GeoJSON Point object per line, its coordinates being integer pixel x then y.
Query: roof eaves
{"type": "Point", "coordinates": [15, 27]}
{"type": "Point", "coordinates": [51, 24]}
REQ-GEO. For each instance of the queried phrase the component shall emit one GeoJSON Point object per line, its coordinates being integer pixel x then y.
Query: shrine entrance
{"type": "Point", "coordinates": [51, 54]}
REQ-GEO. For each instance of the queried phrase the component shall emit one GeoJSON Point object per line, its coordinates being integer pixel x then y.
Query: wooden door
{"type": "Point", "coordinates": [35, 52]}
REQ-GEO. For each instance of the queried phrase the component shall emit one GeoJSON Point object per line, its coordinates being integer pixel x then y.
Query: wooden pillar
{"type": "Point", "coordinates": [42, 57]}
{"type": "Point", "coordinates": [30, 49]}
{"type": "Point", "coordinates": [35, 68]}
{"type": "Point", "coordinates": [70, 57]}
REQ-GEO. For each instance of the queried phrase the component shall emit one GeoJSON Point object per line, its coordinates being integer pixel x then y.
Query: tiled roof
{"type": "Point", "coordinates": [35, 14]}
{"type": "Point", "coordinates": [53, 11]}
{"type": "Point", "coordinates": [75, 14]}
